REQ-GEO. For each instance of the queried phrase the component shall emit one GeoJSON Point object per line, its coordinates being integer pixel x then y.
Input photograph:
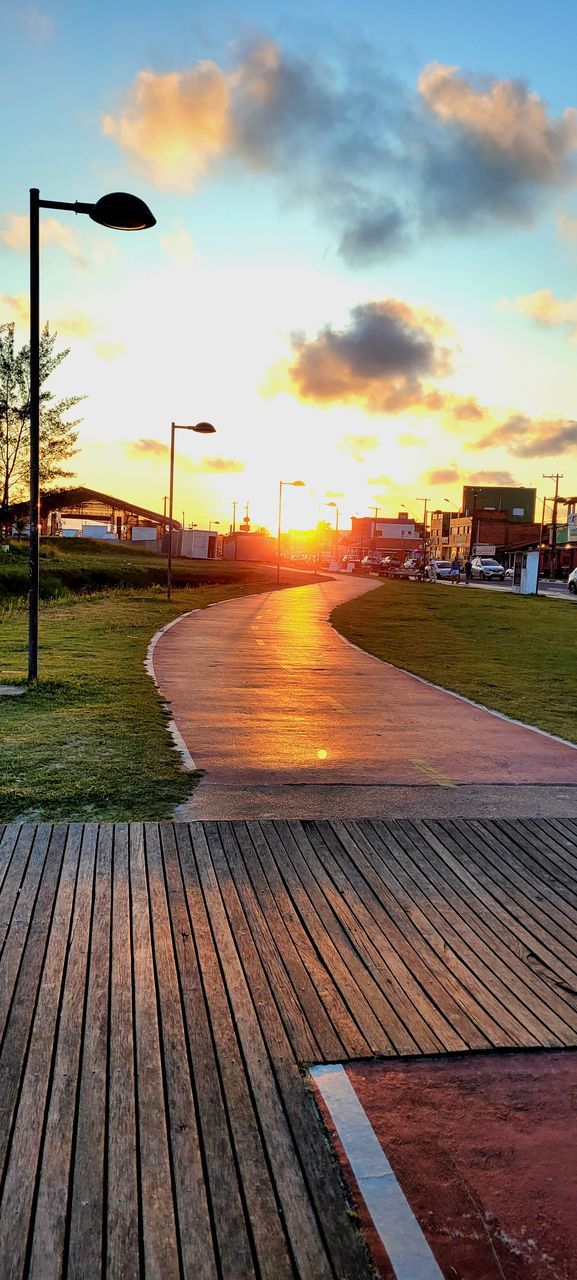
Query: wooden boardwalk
{"type": "Point", "coordinates": [160, 986]}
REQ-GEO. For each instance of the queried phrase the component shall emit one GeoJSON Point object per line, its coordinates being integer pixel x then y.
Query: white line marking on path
{"type": "Point", "coordinates": [408, 1251]}
{"type": "Point", "coordinates": [187, 760]}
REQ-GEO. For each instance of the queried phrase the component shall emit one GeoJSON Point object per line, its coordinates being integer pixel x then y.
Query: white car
{"type": "Point", "coordinates": [487, 569]}
{"type": "Point", "coordinates": [572, 582]}
{"type": "Point", "coordinates": [438, 569]}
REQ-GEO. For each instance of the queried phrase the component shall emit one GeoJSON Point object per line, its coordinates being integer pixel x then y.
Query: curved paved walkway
{"type": "Point", "coordinates": [266, 695]}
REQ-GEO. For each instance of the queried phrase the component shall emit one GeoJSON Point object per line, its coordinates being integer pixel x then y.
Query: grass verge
{"type": "Point", "coordinates": [89, 742]}
{"type": "Point", "coordinates": [82, 566]}
{"type": "Point", "coordinates": [516, 654]}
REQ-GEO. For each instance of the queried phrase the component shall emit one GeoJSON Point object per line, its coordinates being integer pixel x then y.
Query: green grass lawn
{"type": "Point", "coordinates": [90, 741]}
{"type": "Point", "coordinates": [76, 566]}
{"type": "Point", "coordinates": [517, 654]}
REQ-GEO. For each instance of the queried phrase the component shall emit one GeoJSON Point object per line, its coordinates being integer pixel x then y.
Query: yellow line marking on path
{"type": "Point", "coordinates": [440, 778]}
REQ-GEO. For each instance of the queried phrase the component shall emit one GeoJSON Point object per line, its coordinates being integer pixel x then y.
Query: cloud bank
{"type": "Point", "coordinates": [156, 450]}
{"type": "Point", "coordinates": [525, 437]}
{"type": "Point", "coordinates": [379, 361]}
{"type": "Point", "coordinates": [380, 163]}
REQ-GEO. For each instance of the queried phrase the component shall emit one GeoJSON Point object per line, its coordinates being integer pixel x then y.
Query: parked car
{"type": "Point", "coordinates": [411, 568]}
{"type": "Point", "coordinates": [438, 568]}
{"type": "Point", "coordinates": [486, 568]}
{"type": "Point", "coordinates": [572, 582]}
{"type": "Point", "coordinates": [372, 563]}
{"type": "Point", "coordinates": [389, 565]}
{"type": "Point", "coordinates": [509, 574]}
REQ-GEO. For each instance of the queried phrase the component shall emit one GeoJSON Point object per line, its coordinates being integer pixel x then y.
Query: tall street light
{"type": "Point", "coordinates": [333, 504]}
{"type": "Point", "coordinates": [203, 429]}
{"type": "Point", "coordinates": [317, 549]}
{"type": "Point", "coordinates": [295, 484]}
{"type": "Point", "coordinates": [121, 212]}
{"type": "Point", "coordinates": [426, 503]}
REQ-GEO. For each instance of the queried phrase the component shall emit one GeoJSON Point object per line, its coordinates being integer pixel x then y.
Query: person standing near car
{"type": "Point", "coordinates": [456, 571]}
{"type": "Point", "coordinates": [432, 571]}
{"type": "Point", "coordinates": [468, 570]}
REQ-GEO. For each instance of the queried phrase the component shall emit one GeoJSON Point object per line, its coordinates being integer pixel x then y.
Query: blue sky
{"type": "Point", "coordinates": [332, 126]}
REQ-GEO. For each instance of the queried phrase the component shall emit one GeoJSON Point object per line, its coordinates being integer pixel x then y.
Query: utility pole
{"type": "Point", "coordinates": [374, 537]}
{"type": "Point", "coordinates": [553, 528]}
{"type": "Point", "coordinates": [165, 500]}
{"type": "Point", "coordinates": [473, 514]}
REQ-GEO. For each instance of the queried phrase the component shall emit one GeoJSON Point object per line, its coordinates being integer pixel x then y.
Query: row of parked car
{"type": "Point", "coordinates": [483, 569]}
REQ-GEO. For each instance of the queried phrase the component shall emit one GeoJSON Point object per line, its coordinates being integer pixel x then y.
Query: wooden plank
{"type": "Point", "coordinates": [406, 1030]}
{"type": "Point", "coordinates": [461, 928]}
{"type": "Point", "coordinates": [27, 838]}
{"type": "Point", "coordinates": [431, 1029]}
{"type": "Point", "coordinates": [297, 1212]}
{"type": "Point", "coordinates": [532, 880]}
{"type": "Point", "coordinates": [468, 1024]}
{"type": "Point", "coordinates": [351, 1042]}
{"type": "Point", "coordinates": [465, 960]}
{"type": "Point", "coordinates": [49, 1227]}
{"type": "Point", "coordinates": [250, 993]}
{"type": "Point", "coordinates": [471, 907]}
{"type": "Point", "coordinates": [18, 1192]}
{"type": "Point", "coordinates": [8, 839]}
{"type": "Point", "coordinates": [330, 1046]}
{"type": "Point", "coordinates": [259, 1193]}
{"type": "Point", "coordinates": [123, 1260]}
{"type": "Point", "coordinates": [159, 1227]}
{"type": "Point", "coordinates": [196, 1242]}
{"type": "Point", "coordinates": [28, 862]}
{"type": "Point", "coordinates": [300, 1033]}
{"type": "Point", "coordinates": [329, 939]}
{"type": "Point", "coordinates": [545, 854]}
{"type": "Point", "coordinates": [536, 942]}
{"type": "Point", "coordinates": [16, 1039]}
{"type": "Point", "coordinates": [224, 1190]}
{"type": "Point", "coordinates": [563, 831]}
{"type": "Point", "coordinates": [86, 1239]}
{"type": "Point", "coordinates": [527, 905]}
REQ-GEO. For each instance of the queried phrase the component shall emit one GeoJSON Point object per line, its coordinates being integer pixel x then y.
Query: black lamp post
{"type": "Point", "coordinates": [122, 212]}
{"type": "Point", "coordinates": [203, 429]}
{"type": "Point", "coordinates": [295, 484]}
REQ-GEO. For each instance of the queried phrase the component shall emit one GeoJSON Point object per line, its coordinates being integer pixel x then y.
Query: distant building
{"type": "Point", "coordinates": [518, 502]}
{"type": "Point", "coordinates": [439, 534]}
{"type": "Point", "coordinates": [487, 532]}
{"type": "Point", "coordinates": [249, 546]}
{"type": "Point", "coordinates": [80, 504]}
{"type": "Point", "coordinates": [384, 535]}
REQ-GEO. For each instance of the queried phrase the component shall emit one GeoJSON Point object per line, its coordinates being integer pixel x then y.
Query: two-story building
{"type": "Point", "coordinates": [384, 535]}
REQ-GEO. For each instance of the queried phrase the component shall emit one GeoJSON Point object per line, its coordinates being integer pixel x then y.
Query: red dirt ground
{"type": "Point", "coordinates": [485, 1150]}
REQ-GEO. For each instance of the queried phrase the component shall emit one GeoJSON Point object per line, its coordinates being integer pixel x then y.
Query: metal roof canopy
{"type": "Point", "coordinates": [69, 502]}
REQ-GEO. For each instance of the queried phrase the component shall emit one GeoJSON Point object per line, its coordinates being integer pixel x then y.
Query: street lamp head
{"type": "Point", "coordinates": [204, 428]}
{"type": "Point", "coordinates": [297, 484]}
{"type": "Point", "coordinates": [122, 212]}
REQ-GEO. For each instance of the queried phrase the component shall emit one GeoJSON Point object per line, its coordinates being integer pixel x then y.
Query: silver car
{"type": "Point", "coordinates": [487, 569]}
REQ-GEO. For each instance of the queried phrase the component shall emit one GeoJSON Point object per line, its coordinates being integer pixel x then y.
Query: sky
{"type": "Point", "coordinates": [364, 268]}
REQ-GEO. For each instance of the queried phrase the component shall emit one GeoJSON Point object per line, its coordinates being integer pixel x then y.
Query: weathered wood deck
{"type": "Point", "coordinates": [160, 984]}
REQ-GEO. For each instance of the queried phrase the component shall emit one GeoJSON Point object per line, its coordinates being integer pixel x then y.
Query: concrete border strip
{"type": "Point", "coordinates": [187, 760]}
{"type": "Point", "coordinates": [532, 728]}
{"type": "Point", "coordinates": [408, 1251]}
